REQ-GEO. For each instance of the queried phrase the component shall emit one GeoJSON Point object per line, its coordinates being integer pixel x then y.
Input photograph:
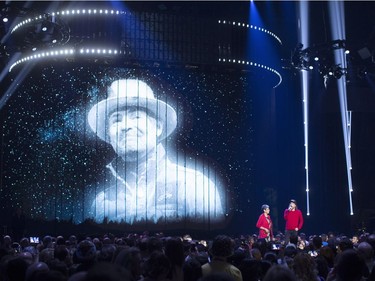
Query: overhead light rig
{"type": "Point", "coordinates": [116, 37]}
{"type": "Point", "coordinates": [41, 31]}
{"type": "Point", "coordinates": [319, 57]}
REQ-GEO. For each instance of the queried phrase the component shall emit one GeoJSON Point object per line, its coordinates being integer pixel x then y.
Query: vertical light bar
{"type": "Point", "coordinates": [349, 129]}
{"type": "Point", "coordinates": [337, 17]}
{"type": "Point", "coordinates": [303, 23]}
{"type": "Point", "coordinates": [305, 100]}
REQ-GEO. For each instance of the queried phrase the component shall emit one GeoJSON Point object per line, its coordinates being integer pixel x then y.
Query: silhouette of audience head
{"type": "Point", "coordinates": [222, 246]}
{"type": "Point", "coordinates": [105, 271]}
{"type": "Point", "coordinates": [350, 266]}
{"type": "Point", "coordinates": [192, 269]}
{"type": "Point", "coordinates": [130, 259]}
{"type": "Point", "coordinates": [279, 273]}
{"type": "Point", "coordinates": [157, 266]}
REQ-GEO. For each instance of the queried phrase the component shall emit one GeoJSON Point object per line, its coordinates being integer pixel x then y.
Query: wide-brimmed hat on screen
{"type": "Point", "coordinates": [126, 93]}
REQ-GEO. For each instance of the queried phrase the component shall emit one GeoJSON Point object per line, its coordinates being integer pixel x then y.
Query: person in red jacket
{"type": "Point", "coordinates": [265, 224]}
{"type": "Point", "coordinates": [294, 220]}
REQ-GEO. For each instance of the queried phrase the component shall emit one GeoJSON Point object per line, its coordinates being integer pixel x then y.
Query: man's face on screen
{"type": "Point", "coordinates": [133, 133]}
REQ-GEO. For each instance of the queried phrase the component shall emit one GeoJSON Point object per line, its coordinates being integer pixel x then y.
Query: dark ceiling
{"type": "Point", "coordinates": [359, 17]}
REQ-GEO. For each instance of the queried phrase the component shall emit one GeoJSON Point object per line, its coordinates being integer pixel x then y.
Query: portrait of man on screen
{"type": "Point", "coordinates": [143, 183]}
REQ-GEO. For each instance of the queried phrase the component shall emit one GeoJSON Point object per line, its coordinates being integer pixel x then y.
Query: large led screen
{"type": "Point", "coordinates": [133, 146]}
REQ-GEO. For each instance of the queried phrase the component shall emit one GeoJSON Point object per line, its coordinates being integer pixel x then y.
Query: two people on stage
{"type": "Point", "coordinates": [293, 218]}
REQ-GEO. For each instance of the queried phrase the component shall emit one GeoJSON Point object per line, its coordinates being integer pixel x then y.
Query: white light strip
{"type": "Point", "coordinates": [66, 52]}
{"type": "Point", "coordinates": [349, 129]}
{"type": "Point", "coordinates": [253, 64]}
{"type": "Point", "coordinates": [250, 26]}
{"type": "Point", "coordinates": [82, 12]}
{"type": "Point", "coordinates": [305, 104]}
{"type": "Point", "coordinates": [337, 16]}
{"type": "Point", "coordinates": [303, 38]}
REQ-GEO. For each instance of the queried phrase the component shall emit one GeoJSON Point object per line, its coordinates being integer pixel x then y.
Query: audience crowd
{"type": "Point", "coordinates": [158, 257]}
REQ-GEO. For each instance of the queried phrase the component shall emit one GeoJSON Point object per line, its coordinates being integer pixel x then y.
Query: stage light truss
{"type": "Point", "coordinates": [122, 37]}
{"type": "Point", "coordinates": [319, 57]}
{"type": "Point", "coordinates": [40, 31]}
